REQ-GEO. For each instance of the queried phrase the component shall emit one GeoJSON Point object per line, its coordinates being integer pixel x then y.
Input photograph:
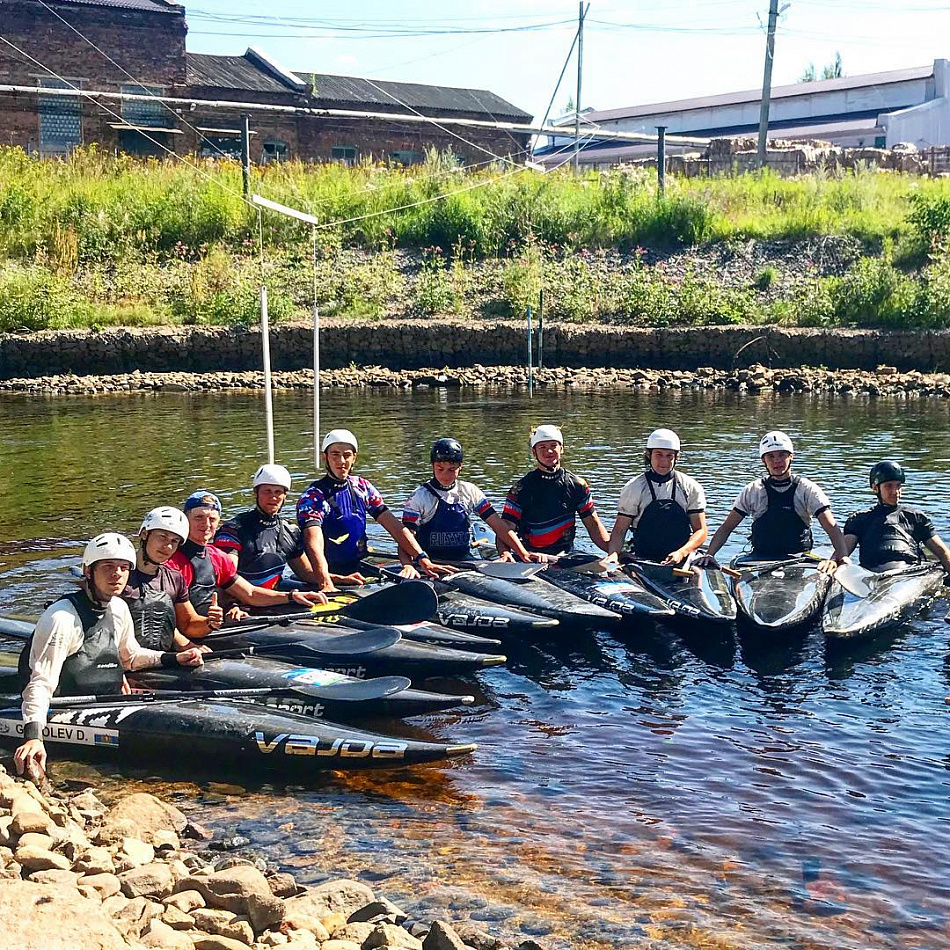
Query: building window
{"type": "Point", "coordinates": [880, 141]}
{"type": "Point", "coordinates": [275, 151]}
{"type": "Point", "coordinates": [347, 154]}
{"type": "Point", "coordinates": [142, 112]}
{"type": "Point", "coordinates": [60, 119]}
{"type": "Point", "coordinates": [405, 157]}
{"type": "Point", "coordinates": [218, 145]}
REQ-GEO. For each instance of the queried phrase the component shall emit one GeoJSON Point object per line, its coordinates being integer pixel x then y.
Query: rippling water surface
{"type": "Point", "coordinates": [646, 785]}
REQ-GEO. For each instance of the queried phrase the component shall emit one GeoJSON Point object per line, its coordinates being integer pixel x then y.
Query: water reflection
{"type": "Point", "coordinates": [643, 784]}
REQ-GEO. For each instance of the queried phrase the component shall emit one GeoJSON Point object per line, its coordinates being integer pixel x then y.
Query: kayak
{"type": "Point", "coordinates": [532, 595]}
{"type": "Point", "coordinates": [359, 653]}
{"type": "Point", "coordinates": [702, 595]}
{"type": "Point", "coordinates": [429, 631]}
{"type": "Point", "coordinates": [460, 610]}
{"type": "Point", "coordinates": [465, 612]}
{"type": "Point", "coordinates": [776, 596]}
{"type": "Point", "coordinates": [310, 692]}
{"type": "Point", "coordinates": [616, 592]}
{"type": "Point", "coordinates": [893, 597]}
{"type": "Point", "coordinates": [221, 729]}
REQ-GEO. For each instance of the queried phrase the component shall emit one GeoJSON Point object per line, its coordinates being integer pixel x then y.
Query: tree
{"type": "Point", "coordinates": [834, 70]}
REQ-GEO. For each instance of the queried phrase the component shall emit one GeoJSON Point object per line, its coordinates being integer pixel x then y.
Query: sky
{"type": "Point", "coordinates": [635, 51]}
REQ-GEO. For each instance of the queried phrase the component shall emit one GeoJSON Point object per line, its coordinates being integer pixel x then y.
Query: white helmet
{"type": "Point", "coordinates": [167, 519]}
{"type": "Point", "coordinates": [340, 435]}
{"type": "Point", "coordinates": [775, 442]}
{"type": "Point", "coordinates": [272, 475]}
{"type": "Point", "coordinates": [663, 439]}
{"type": "Point", "coordinates": [546, 433]}
{"type": "Point", "coordinates": [108, 547]}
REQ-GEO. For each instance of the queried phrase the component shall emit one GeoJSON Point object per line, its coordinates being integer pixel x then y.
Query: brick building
{"type": "Point", "coordinates": [139, 53]}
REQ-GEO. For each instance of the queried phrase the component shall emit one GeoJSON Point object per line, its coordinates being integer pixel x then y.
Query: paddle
{"type": "Point", "coordinates": [353, 644]}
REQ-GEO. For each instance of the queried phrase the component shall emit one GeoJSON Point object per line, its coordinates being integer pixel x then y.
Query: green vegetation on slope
{"type": "Point", "coordinates": [98, 239]}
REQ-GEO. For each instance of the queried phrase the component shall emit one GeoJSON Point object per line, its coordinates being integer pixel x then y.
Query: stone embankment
{"type": "Point", "coordinates": [75, 875]}
{"type": "Point", "coordinates": [411, 345]}
{"type": "Point", "coordinates": [884, 381]}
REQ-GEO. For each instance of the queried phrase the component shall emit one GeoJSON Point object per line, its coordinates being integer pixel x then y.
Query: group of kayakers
{"type": "Point", "coordinates": [145, 606]}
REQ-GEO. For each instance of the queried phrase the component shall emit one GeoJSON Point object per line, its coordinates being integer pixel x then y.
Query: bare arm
{"type": "Point", "coordinates": [733, 520]}
{"type": "Point", "coordinates": [827, 520]}
{"type": "Point", "coordinates": [505, 533]}
{"type": "Point", "coordinates": [247, 593]}
{"type": "Point", "coordinates": [698, 522]}
{"type": "Point", "coordinates": [942, 552]}
{"type": "Point", "coordinates": [619, 533]}
{"type": "Point", "coordinates": [409, 546]}
{"type": "Point", "coordinates": [314, 549]}
{"type": "Point", "coordinates": [596, 530]}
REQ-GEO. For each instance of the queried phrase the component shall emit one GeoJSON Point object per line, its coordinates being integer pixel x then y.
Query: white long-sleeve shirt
{"type": "Point", "coordinates": [58, 635]}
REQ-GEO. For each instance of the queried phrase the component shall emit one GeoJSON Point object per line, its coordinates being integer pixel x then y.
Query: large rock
{"type": "Point", "coordinates": [147, 815]}
{"type": "Point", "coordinates": [335, 897]}
{"type": "Point", "coordinates": [223, 922]}
{"type": "Point", "coordinates": [391, 936]}
{"type": "Point", "coordinates": [53, 918]}
{"type": "Point", "coordinates": [39, 859]}
{"type": "Point", "coordinates": [149, 880]}
{"type": "Point", "coordinates": [228, 889]}
{"type": "Point", "coordinates": [442, 937]}
{"type": "Point", "coordinates": [264, 911]}
{"type": "Point", "coordinates": [105, 884]}
{"type": "Point", "coordinates": [162, 936]}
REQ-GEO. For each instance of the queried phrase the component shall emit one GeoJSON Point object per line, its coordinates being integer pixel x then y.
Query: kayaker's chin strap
{"type": "Point", "coordinates": [143, 547]}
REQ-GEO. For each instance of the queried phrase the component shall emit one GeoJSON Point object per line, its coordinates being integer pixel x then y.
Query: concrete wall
{"type": "Point", "coordinates": [413, 345]}
{"type": "Point", "coordinates": [927, 124]}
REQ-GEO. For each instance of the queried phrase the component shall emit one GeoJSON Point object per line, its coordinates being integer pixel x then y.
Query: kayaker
{"type": "Point", "coordinates": [782, 507]}
{"type": "Point", "coordinates": [890, 535]}
{"type": "Point", "coordinates": [157, 594]}
{"type": "Point", "coordinates": [542, 506]}
{"type": "Point", "coordinates": [210, 573]}
{"type": "Point", "coordinates": [82, 643]}
{"type": "Point", "coordinates": [261, 543]}
{"type": "Point", "coordinates": [665, 509]}
{"type": "Point", "coordinates": [332, 514]}
{"type": "Point", "coordinates": [439, 512]}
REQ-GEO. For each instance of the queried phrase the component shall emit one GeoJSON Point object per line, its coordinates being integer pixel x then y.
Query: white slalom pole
{"type": "Point", "coordinates": [268, 394]}
{"type": "Point", "coordinates": [316, 388]}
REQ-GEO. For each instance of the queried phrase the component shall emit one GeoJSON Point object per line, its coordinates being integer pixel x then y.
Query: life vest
{"type": "Point", "coordinates": [779, 530]}
{"type": "Point", "coordinates": [344, 529]}
{"type": "Point", "coordinates": [203, 582]}
{"type": "Point", "coordinates": [887, 539]}
{"type": "Point", "coordinates": [446, 536]}
{"type": "Point", "coordinates": [267, 544]}
{"type": "Point", "coordinates": [663, 527]}
{"type": "Point", "coordinates": [94, 669]}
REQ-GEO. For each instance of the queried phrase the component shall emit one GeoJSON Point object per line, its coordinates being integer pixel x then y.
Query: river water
{"type": "Point", "coordinates": [629, 788]}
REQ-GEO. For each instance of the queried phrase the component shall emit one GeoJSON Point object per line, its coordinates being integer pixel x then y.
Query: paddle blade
{"type": "Point", "coordinates": [508, 570]}
{"type": "Point", "coordinates": [854, 579]}
{"type": "Point", "coordinates": [410, 602]}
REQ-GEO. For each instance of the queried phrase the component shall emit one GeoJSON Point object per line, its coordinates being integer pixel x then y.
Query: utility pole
{"type": "Point", "coordinates": [246, 154]}
{"type": "Point", "coordinates": [581, 13]}
{"type": "Point", "coordinates": [767, 81]}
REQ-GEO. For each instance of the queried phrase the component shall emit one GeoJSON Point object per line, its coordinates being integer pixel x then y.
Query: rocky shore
{"type": "Point", "coordinates": [77, 875]}
{"type": "Point", "coordinates": [884, 381]}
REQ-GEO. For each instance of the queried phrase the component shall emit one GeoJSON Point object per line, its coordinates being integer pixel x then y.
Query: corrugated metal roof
{"type": "Point", "coordinates": [149, 6]}
{"type": "Point", "coordinates": [755, 95]}
{"type": "Point", "coordinates": [230, 72]}
{"type": "Point", "coordinates": [353, 90]}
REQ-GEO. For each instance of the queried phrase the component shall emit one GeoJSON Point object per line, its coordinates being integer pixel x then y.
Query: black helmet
{"type": "Point", "coordinates": [886, 471]}
{"type": "Point", "coordinates": [446, 450]}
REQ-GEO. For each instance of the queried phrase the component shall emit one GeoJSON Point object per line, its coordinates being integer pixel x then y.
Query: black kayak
{"type": "Point", "coordinates": [532, 595]}
{"type": "Point", "coordinates": [616, 592]}
{"type": "Point", "coordinates": [473, 614]}
{"type": "Point", "coordinates": [223, 730]}
{"type": "Point", "coordinates": [307, 691]}
{"type": "Point", "coordinates": [893, 597]}
{"type": "Point", "coordinates": [428, 631]}
{"type": "Point", "coordinates": [776, 596]}
{"type": "Point", "coordinates": [467, 612]}
{"type": "Point", "coordinates": [360, 653]}
{"type": "Point", "coordinates": [696, 594]}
